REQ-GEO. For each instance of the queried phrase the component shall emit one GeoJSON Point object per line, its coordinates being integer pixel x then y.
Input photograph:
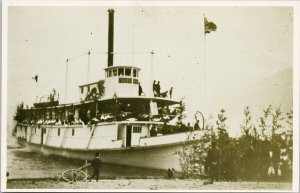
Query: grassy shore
{"type": "Point", "coordinates": [145, 184]}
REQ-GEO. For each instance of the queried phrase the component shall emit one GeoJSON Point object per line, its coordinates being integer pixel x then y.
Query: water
{"type": "Point", "coordinates": [22, 163]}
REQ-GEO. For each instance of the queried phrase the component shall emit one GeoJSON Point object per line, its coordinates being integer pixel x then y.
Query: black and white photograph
{"type": "Point", "coordinates": [150, 96]}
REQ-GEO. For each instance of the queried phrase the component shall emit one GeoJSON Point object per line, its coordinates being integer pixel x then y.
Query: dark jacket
{"type": "Point", "coordinates": [96, 163]}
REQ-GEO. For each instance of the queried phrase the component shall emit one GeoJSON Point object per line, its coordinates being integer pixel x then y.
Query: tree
{"type": "Point", "coordinates": [223, 137]}
{"type": "Point", "coordinates": [247, 126]}
{"type": "Point", "coordinates": [222, 142]}
{"type": "Point", "coordinates": [180, 111]}
{"type": "Point", "coordinates": [192, 157]}
{"type": "Point", "coordinates": [19, 116]}
{"type": "Point", "coordinates": [263, 121]}
{"type": "Point", "coordinates": [276, 122]}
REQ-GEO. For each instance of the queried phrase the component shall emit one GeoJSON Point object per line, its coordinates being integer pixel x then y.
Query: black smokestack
{"type": "Point", "coordinates": [110, 58]}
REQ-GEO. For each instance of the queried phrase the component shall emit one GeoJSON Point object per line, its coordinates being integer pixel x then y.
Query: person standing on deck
{"type": "Point", "coordinates": [158, 88]}
{"type": "Point", "coordinates": [154, 87]}
{"type": "Point", "coordinates": [140, 89]}
{"type": "Point", "coordinates": [96, 164]}
{"type": "Point", "coordinates": [171, 92]}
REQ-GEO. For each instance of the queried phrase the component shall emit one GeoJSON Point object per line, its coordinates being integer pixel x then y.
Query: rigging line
{"type": "Point", "coordinates": [51, 80]}
{"type": "Point", "coordinates": [146, 12]}
{"type": "Point", "coordinates": [131, 53]}
{"type": "Point", "coordinates": [13, 81]}
{"type": "Point", "coordinates": [98, 52]}
{"type": "Point", "coordinates": [77, 56]}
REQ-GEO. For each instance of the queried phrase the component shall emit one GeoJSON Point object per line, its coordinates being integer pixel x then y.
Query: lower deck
{"type": "Point", "coordinates": [110, 135]}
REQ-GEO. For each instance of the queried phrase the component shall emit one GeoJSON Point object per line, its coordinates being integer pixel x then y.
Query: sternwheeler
{"type": "Point", "coordinates": [113, 116]}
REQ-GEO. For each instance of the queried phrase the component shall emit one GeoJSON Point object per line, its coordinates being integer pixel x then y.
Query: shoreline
{"type": "Point", "coordinates": [145, 184]}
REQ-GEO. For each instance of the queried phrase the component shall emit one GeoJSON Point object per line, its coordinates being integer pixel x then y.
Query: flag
{"type": "Point", "coordinates": [36, 78]}
{"type": "Point", "coordinates": [209, 26]}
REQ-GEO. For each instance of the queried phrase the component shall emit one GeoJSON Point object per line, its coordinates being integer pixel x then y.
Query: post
{"type": "Point", "coordinates": [88, 67]}
{"type": "Point", "coordinates": [66, 81]}
{"type": "Point", "coordinates": [86, 162]}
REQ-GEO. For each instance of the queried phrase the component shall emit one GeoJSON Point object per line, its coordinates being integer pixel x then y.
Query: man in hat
{"type": "Point", "coordinates": [212, 163]}
{"type": "Point", "coordinates": [96, 164]}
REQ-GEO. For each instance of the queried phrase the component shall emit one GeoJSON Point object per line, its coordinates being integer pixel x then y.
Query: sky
{"type": "Point", "coordinates": [247, 61]}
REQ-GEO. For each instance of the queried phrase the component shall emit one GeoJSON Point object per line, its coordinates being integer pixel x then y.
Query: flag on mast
{"type": "Point", "coordinates": [209, 26]}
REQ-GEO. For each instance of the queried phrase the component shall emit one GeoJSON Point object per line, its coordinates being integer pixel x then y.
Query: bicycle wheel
{"type": "Point", "coordinates": [74, 175]}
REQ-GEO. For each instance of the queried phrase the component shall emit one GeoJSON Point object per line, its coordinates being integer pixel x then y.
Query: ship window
{"type": "Point", "coordinates": [135, 81]}
{"type": "Point", "coordinates": [73, 132]}
{"type": "Point", "coordinates": [127, 72]}
{"type": "Point", "coordinates": [44, 131]}
{"type": "Point", "coordinates": [88, 88]}
{"type": "Point", "coordinates": [125, 80]}
{"type": "Point", "coordinates": [58, 132]}
{"type": "Point", "coordinates": [137, 129]}
{"type": "Point", "coordinates": [134, 73]}
{"type": "Point", "coordinates": [109, 73]}
{"type": "Point", "coordinates": [81, 89]}
{"type": "Point", "coordinates": [121, 71]}
{"type": "Point", "coordinates": [115, 72]}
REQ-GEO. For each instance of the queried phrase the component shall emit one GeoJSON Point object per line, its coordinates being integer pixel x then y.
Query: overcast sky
{"type": "Point", "coordinates": [249, 58]}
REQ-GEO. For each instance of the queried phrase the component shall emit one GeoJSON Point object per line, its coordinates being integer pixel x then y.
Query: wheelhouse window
{"type": "Point", "coordinates": [137, 129]}
{"type": "Point", "coordinates": [109, 73]}
{"type": "Point", "coordinates": [81, 90]}
{"type": "Point", "coordinates": [58, 132]}
{"type": "Point", "coordinates": [73, 132]}
{"type": "Point", "coordinates": [115, 72]}
{"type": "Point", "coordinates": [134, 73]}
{"type": "Point", "coordinates": [88, 88]}
{"type": "Point", "coordinates": [127, 72]}
{"type": "Point", "coordinates": [120, 71]}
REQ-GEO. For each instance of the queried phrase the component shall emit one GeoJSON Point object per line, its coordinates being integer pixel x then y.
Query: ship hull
{"type": "Point", "coordinates": [155, 157]}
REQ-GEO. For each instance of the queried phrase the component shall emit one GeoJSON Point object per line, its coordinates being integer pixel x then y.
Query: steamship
{"type": "Point", "coordinates": [112, 117]}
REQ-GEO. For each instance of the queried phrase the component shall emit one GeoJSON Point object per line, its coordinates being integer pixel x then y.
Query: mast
{"type": "Point", "coordinates": [204, 67]}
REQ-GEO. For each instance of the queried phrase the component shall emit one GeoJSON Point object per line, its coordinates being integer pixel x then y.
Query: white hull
{"type": "Point", "coordinates": [160, 157]}
{"type": "Point", "coordinates": [158, 152]}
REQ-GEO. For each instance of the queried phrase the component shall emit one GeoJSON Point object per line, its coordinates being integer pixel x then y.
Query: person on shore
{"type": "Point", "coordinates": [212, 163]}
{"type": "Point", "coordinates": [96, 164]}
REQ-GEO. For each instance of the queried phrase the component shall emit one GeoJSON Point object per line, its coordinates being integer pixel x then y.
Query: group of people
{"type": "Point", "coordinates": [157, 90]}
{"type": "Point", "coordinates": [256, 160]}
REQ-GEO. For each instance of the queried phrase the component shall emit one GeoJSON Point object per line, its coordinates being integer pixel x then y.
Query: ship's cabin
{"type": "Point", "coordinates": [122, 71]}
{"type": "Point", "coordinates": [122, 81]}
